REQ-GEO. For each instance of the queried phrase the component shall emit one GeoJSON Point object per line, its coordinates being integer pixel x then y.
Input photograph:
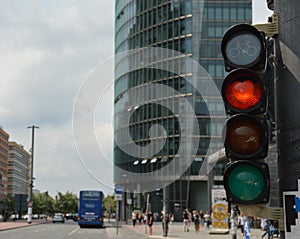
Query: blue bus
{"type": "Point", "coordinates": [90, 209]}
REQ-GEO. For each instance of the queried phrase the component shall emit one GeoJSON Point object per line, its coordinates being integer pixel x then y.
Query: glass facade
{"type": "Point", "coordinates": [195, 29]}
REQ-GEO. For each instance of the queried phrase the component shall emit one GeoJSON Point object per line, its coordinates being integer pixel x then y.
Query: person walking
{"type": "Point", "coordinates": [196, 219]}
{"type": "Point", "coordinates": [150, 221]}
{"type": "Point", "coordinates": [133, 218]}
{"type": "Point", "coordinates": [241, 221]}
{"type": "Point", "coordinates": [207, 219]}
{"type": "Point", "coordinates": [165, 222]}
{"type": "Point", "coordinates": [246, 228]}
{"type": "Point", "coordinates": [186, 215]}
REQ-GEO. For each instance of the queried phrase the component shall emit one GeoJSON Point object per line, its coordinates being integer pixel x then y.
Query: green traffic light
{"type": "Point", "coordinates": [246, 182]}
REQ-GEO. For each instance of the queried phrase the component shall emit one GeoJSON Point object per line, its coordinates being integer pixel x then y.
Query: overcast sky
{"type": "Point", "coordinates": [49, 49]}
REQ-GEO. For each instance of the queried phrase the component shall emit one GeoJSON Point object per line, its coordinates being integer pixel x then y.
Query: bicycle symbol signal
{"type": "Point", "coordinates": [243, 48]}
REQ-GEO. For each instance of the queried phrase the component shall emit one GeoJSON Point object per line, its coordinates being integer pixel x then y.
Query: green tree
{"type": "Point", "coordinates": [43, 203]}
{"type": "Point", "coordinates": [67, 202]}
{"type": "Point", "coordinates": [109, 204]}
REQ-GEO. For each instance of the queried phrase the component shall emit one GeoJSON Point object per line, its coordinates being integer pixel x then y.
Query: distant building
{"type": "Point", "coordinates": [3, 166]}
{"type": "Point", "coordinates": [18, 169]}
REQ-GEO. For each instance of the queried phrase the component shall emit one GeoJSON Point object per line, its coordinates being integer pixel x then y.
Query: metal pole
{"type": "Point", "coordinates": [30, 203]}
{"type": "Point", "coordinates": [233, 226]}
{"type": "Point", "coordinates": [117, 217]}
{"type": "Point", "coordinates": [147, 209]}
{"type": "Point", "coordinates": [46, 205]}
{"type": "Point", "coordinates": [165, 232]}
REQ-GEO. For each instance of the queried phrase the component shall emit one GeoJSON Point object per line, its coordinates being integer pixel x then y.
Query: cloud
{"type": "Point", "coordinates": [47, 50]}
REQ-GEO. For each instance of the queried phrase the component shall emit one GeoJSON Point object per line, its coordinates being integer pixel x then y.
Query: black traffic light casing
{"type": "Point", "coordinates": [243, 46]}
{"type": "Point", "coordinates": [245, 134]}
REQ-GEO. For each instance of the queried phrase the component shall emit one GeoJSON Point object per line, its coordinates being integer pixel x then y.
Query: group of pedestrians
{"type": "Point", "coordinates": [138, 218]}
{"type": "Point", "coordinates": [147, 219]}
{"type": "Point", "coordinates": [197, 218]}
{"type": "Point", "coordinates": [268, 228]}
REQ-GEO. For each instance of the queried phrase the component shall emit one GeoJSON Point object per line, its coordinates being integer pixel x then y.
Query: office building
{"type": "Point", "coordinates": [18, 170]}
{"type": "Point", "coordinates": [194, 29]}
{"type": "Point", "coordinates": [4, 136]}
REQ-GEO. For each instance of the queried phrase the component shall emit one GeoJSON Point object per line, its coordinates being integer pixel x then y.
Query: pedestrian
{"type": "Point", "coordinates": [150, 221]}
{"type": "Point", "coordinates": [133, 218]}
{"type": "Point", "coordinates": [186, 215]}
{"type": "Point", "coordinates": [145, 218]}
{"type": "Point", "coordinates": [207, 219]}
{"type": "Point", "coordinates": [196, 220]}
{"type": "Point", "coordinates": [201, 213]}
{"type": "Point", "coordinates": [139, 218]}
{"type": "Point", "coordinates": [246, 228]}
{"type": "Point", "coordinates": [165, 222]}
{"type": "Point", "coordinates": [171, 218]}
{"type": "Point", "coordinates": [241, 221]}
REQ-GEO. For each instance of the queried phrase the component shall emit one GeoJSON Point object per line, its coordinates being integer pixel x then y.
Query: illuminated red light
{"type": "Point", "coordinates": [242, 90]}
{"type": "Point", "coordinates": [243, 94]}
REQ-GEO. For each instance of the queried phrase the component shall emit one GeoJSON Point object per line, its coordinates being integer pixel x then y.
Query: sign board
{"type": "Point", "coordinates": [20, 202]}
{"type": "Point", "coordinates": [118, 189]}
{"type": "Point", "coordinates": [219, 211]}
{"type": "Point", "coordinates": [118, 197]}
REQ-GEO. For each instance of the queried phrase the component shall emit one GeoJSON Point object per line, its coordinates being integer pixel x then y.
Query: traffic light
{"type": "Point", "coordinates": [245, 134]}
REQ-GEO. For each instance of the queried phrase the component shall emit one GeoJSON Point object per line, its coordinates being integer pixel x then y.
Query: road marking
{"type": "Point", "coordinates": [72, 232]}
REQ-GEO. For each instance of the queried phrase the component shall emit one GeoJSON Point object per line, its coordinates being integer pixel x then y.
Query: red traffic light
{"type": "Point", "coordinates": [245, 137]}
{"type": "Point", "coordinates": [244, 91]}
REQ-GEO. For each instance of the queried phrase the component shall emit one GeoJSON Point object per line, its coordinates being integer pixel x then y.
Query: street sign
{"type": "Point", "coordinates": [118, 189]}
{"type": "Point", "coordinates": [20, 202]}
{"type": "Point", "coordinates": [118, 197]}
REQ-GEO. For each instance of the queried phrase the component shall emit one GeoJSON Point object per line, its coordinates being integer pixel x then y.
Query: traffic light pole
{"type": "Point", "coordinates": [232, 222]}
{"type": "Point", "coordinates": [288, 97]}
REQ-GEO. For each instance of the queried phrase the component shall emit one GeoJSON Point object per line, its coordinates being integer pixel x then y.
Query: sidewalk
{"type": "Point", "coordinates": [176, 232]}
{"type": "Point", "coordinates": [19, 223]}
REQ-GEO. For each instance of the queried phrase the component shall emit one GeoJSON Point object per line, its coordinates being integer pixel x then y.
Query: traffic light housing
{"type": "Point", "coordinates": [245, 134]}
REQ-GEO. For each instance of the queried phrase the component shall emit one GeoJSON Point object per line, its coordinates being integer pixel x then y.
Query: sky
{"type": "Point", "coordinates": [50, 51]}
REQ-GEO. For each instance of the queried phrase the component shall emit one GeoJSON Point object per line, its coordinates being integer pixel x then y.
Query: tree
{"type": "Point", "coordinates": [67, 202]}
{"type": "Point", "coordinates": [43, 203]}
{"type": "Point", "coordinates": [109, 204]}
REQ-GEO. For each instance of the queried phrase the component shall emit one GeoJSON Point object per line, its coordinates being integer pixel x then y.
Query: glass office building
{"type": "Point", "coordinates": [194, 29]}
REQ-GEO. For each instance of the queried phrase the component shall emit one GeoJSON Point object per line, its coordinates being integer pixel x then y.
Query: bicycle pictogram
{"type": "Point", "coordinates": [246, 48]}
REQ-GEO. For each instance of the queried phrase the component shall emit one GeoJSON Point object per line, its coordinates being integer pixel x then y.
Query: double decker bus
{"type": "Point", "coordinates": [90, 208]}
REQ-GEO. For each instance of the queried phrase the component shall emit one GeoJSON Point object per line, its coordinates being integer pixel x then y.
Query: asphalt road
{"type": "Point", "coordinates": [68, 230]}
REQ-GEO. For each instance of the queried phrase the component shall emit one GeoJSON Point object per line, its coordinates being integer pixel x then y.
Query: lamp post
{"type": "Point", "coordinates": [30, 203]}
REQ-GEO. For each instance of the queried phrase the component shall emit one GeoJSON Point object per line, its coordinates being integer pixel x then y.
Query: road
{"type": "Point", "coordinates": [70, 230]}
{"type": "Point", "coordinates": [67, 230]}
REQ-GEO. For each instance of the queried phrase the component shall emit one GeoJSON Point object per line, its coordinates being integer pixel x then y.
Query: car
{"type": "Point", "coordinates": [72, 216]}
{"type": "Point", "coordinates": [58, 217]}
{"type": "Point", "coordinates": [14, 217]}
{"type": "Point", "coordinates": [69, 216]}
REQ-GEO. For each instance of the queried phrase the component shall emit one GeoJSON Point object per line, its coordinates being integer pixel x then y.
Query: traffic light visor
{"type": "Point", "coordinates": [243, 91]}
{"type": "Point", "coordinates": [247, 182]}
{"type": "Point", "coordinates": [245, 137]}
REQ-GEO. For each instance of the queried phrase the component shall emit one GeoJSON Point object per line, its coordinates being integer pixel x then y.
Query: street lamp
{"type": "Point", "coordinates": [30, 203]}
